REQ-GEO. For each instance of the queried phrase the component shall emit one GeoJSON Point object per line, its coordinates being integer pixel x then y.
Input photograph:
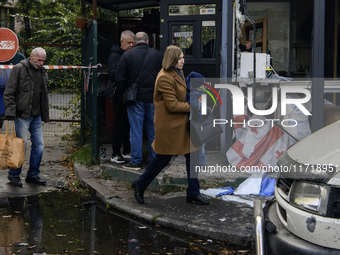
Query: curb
{"type": "Point", "coordinates": [165, 181]}
{"type": "Point", "coordinates": [234, 237]}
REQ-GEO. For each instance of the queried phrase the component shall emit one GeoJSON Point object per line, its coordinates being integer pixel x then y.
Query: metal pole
{"type": "Point", "coordinates": [83, 8]}
{"type": "Point", "coordinates": [318, 49]}
{"type": "Point", "coordinates": [94, 94]}
{"type": "Point", "coordinates": [93, 229]}
{"type": "Point", "coordinates": [94, 9]}
{"type": "Point", "coordinates": [259, 228]}
{"type": "Point", "coordinates": [82, 105]}
{"type": "Point", "coordinates": [226, 71]}
{"type": "Point", "coordinates": [253, 47]}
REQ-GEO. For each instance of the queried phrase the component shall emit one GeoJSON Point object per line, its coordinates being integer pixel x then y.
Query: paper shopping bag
{"type": "Point", "coordinates": [12, 149]}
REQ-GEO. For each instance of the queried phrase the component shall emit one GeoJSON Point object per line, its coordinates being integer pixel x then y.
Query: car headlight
{"type": "Point", "coordinates": [310, 196]}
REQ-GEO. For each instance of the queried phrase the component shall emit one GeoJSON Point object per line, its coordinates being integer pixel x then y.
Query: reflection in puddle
{"type": "Point", "coordinates": [15, 237]}
{"type": "Point", "coordinates": [69, 223]}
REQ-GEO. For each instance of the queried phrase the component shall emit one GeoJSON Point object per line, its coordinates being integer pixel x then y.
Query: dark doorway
{"type": "Point", "coordinates": [196, 28]}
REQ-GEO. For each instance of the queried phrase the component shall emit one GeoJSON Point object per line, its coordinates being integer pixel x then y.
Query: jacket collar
{"type": "Point", "coordinates": [178, 77]}
{"type": "Point", "coordinates": [141, 45]}
{"type": "Point", "coordinates": [28, 65]}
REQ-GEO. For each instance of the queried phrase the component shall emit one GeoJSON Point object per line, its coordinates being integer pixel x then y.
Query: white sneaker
{"type": "Point", "coordinates": [118, 159]}
{"type": "Point", "coordinates": [127, 155]}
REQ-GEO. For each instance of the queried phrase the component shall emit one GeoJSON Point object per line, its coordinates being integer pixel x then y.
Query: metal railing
{"type": "Point", "coordinates": [62, 117]}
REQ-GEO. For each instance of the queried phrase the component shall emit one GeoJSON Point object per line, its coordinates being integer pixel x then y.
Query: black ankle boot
{"type": "Point", "coordinates": [197, 200]}
{"type": "Point", "coordinates": [139, 195]}
{"type": "Point", "coordinates": [15, 181]}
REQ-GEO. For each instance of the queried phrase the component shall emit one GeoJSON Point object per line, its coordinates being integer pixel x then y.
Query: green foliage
{"type": "Point", "coordinates": [107, 206]}
{"type": "Point", "coordinates": [106, 176]}
{"type": "Point", "coordinates": [53, 22]}
{"type": "Point", "coordinates": [154, 218]}
{"type": "Point", "coordinates": [133, 13]}
{"type": "Point", "coordinates": [73, 109]}
{"type": "Point", "coordinates": [83, 155]}
{"type": "Point", "coordinates": [107, 15]}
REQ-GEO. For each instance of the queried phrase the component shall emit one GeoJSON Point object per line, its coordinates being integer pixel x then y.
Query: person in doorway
{"type": "Point", "coordinates": [171, 131]}
{"type": "Point", "coordinates": [26, 102]}
{"type": "Point", "coordinates": [248, 47]}
{"type": "Point", "coordinates": [141, 113]}
{"type": "Point", "coordinates": [121, 127]}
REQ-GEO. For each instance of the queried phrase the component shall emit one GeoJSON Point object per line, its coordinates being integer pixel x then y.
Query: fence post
{"type": "Point", "coordinates": [94, 137]}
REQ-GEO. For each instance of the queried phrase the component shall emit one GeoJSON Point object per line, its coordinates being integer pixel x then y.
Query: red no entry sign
{"type": "Point", "coordinates": [8, 44]}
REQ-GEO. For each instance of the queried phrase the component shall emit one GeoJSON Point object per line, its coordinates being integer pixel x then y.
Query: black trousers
{"type": "Point", "coordinates": [121, 130]}
{"type": "Point", "coordinates": [159, 162]}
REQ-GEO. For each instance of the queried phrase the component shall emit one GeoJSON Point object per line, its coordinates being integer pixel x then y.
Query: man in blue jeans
{"type": "Point", "coordinates": [140, 114]}
{"type": "Point", "coordinates": [26, 102]}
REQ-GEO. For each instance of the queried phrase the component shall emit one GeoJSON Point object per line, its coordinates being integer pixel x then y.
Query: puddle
{"type": "Point", "coordinates": [70, 223]}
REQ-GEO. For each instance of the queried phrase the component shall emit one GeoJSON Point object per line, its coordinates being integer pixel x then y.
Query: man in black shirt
{"type": "Point", "coordinates": [121, 127]}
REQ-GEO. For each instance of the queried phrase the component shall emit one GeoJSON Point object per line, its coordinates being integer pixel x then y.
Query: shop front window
{"type": "Point", "coordinates": [208, 35]}
{"type": "Point", "coordinates": [192, 9]}
{"type": "Point", "coordinates": [183, 36]}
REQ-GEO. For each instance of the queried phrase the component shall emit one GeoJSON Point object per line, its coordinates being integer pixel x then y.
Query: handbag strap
{"type": "Point", "coordinates": [144, 63]}
{"type": "Point", "coordinates": [13, 129]}
{"type": "Point", "coordinates": [7, 128]}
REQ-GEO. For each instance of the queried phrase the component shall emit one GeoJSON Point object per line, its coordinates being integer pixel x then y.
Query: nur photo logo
{"type": "Point", "coordinates": [279, 100]}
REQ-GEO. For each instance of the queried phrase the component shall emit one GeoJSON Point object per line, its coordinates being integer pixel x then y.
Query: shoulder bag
{"type": "Point", "coordinates": [130, 94]}
{"type": "Point", "coordinates": [201, 128]}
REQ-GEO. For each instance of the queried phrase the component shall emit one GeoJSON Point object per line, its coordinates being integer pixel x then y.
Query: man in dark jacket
{"type": "Point", "coordinates": [142, 112]}
{"type": "Point", "coordinates": [122, 127]}
{"type": "Point", "coordinates": [26, 102]}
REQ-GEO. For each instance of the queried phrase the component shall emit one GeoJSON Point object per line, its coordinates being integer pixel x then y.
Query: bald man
{"type": "Point", "coordinates": [26, 102]}
{"type": "Point", "coordinates": [141, 113]}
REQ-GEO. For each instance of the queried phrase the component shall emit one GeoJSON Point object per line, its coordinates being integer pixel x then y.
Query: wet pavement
{"type": "Point", "coordinates": [53, 170]}
{"type": "Point", "coordinates": [165, 202]}
{"type": "Point", "coordinates": [71, 222]}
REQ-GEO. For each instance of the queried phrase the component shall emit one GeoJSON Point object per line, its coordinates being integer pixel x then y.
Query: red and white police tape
{"type": "Point", "coordinates": [55, 67]}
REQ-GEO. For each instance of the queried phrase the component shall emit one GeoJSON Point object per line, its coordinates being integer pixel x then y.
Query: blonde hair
{"type": "Point", "coordinates": [171, 57]}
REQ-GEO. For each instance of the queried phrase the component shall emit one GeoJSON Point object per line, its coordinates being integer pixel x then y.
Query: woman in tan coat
{"type": "Point", "coordinates": [171, 132]}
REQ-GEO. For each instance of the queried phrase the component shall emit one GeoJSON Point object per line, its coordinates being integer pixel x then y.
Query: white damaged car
{"type": "Point", "coordinates": [304, 217]}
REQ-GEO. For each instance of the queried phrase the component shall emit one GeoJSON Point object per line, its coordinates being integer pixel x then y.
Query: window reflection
{"type": "Point", "coordinates": [208, 35]}
{"type": "Point", "coordinates": [192, 9]}
{"type": "Point", "coordinates": [183, 36]}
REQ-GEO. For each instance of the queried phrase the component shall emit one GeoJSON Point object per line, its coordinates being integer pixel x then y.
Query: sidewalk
{"type": "Point", "coordinates": [52, 170]}
{"type": "Point", "coordinates": [225, 221]}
